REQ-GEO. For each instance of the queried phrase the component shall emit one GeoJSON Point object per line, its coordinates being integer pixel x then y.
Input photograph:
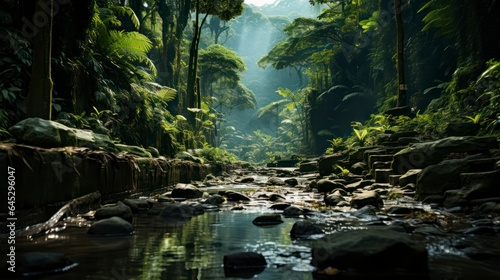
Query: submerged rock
{"type": "Point", "coordinates": [42, 263]}
{"type": "Point", "coordinates": [303, 229]}
{"type": "Point", "coordinates": [244, 265]}
{"type": "Point", "coordinates": [267, 220]}
{"type": "Point", "coordinates": [114, 226]}
{"type": "Point", "coordinates": [372, 252]}
{"type": "Point", "coordinates": [177, 211]}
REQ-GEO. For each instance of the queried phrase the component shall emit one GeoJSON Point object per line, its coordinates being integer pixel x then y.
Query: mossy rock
{"type": "Point", "coordinates": [134, 150]}
{"type": "Point", "coordinates": [50, 134]}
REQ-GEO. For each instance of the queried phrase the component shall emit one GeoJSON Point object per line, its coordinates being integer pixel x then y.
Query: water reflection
{"type": "Point", "coordinates": [194, 249]}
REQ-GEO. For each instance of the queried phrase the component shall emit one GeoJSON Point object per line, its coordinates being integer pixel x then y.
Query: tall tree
{"type": "Point", "coordinates": [223, 9]}
{"type": "Point", "coordinates": [41, 85]}
{"type": "Point", "coordinates": [400, 66]}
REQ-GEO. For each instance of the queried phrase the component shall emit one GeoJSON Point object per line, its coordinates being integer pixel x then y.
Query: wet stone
{"type": "Point", "coordinates": [267, 220]}
{"type": "Point", "coordinates": [234, 196]}
{"type": "Point", "coordinates": [138, 205]}
{"type": "Point", "coordinates": [244, 264]}
{"type": "Point", "coordinates": [114, 226]}
{"type": "Point", "coordinates": [119, 210]}
{"type": "Point", "coordinates": [292, 211]}
{"type": "Point", "coordinates": [302, 229]}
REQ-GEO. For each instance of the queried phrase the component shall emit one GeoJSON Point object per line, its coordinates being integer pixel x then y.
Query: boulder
{"type": "Point", "coordinates": [186, 191]}
{"type": "Point", "coordinates": [326, 186]}
{"type": "Point", "coordinates": [439, 178]}
{"type": "Point", "coordinates": [267, 220]}
{"type": "Point", "coordinates": [234, 196]}
{"type": "Point", "coordinates": [358, 168]}
{"type": "Point", "coordinates": [302, 229]}
{"type": "Point", "coordinates": [50, 134]}
{"type": "Point", "coordinates": [138, 205]}
{"type": "Point", "coordinates": [42, 263]}
{"type": "Point", "coordinates": [244, 264]}
{"type": "Point", "coordinates": [410, 177]}
{"type": "Point", "coordinates": [480, 184]}
{"type": "Point", "coordinates": [275, 181]}
{"type": "Point", "coordinates": [327, 162]}
{"type": "Point", "coordinates": [177, 212]}
{"type": "Point", "coordinates": [309, 166]}
{"type": "Point", "coordinates": [420, 155]}
{"type": "Point", "coordinates": [366, 198]}
{"type": "Point", "coordinates": [333, 199]}
{"type": "Point", "coordinates": [247, 179]}
{"type": "Point", "coordinates": [292, 182]}
{"type": "Point", "coordinates": [215, 199]}
{"type": "Point", "coordinates": [372, 253]}
{"type": "Point", "coordinates": [292, 211]}
{"type": "Point", "coordinates": [114, 226]}
{"type": "Point", "coordinates": [118, 210]}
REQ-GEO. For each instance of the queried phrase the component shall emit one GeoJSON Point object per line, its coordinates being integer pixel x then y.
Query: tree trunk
{"type": "Point", "coordinates": [400, 66]}
{"type": "Point", "coordinates": [40, 92]}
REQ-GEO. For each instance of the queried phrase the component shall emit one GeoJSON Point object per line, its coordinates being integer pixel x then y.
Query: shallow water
{"type": "Point", "coordinates": [194, 249]}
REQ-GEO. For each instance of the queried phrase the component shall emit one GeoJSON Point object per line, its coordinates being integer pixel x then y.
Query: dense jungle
{"type": "Point", "coordinates": [247, 82]}
{"type": "Point", "coordinates": [279, 139]}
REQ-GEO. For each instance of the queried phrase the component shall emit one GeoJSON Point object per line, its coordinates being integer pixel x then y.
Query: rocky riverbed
{"type": "Point", "coordinates": [436, 219]}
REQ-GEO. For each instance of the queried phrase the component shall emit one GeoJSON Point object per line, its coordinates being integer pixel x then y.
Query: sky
{"type": "Point", "coordinates": [259, 2]}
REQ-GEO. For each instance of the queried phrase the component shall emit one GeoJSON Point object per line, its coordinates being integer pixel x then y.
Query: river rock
{"type": "Point", "coordinates": [42, 263]}
{"type": "Point", "coordinates": [326, 186]}
{"type": "Point", "coordinates": [480, 184]}
{"type": "Point", "coordinates": [358, 168]}
{"type": "Point", "coordinates": [420, 155]}
{"type": "Point", "coordinates": [234, 196]}
{"type": "Point", "coordinates": [292, 211]}
{"type": "Point", "coordinates": [276, 197]}
{"type": "Point", "coordinates": [326, 162]}
{"type": "Point", "coordinates": [114, 226]}
{"type": "Point", "coordinates": [244, 264]}
{"type": "Point", "coordinates": [410, 177]}
{"type": "Point", "coordinates": [119, 210]}
{"type": "Point", "coordinates": [186, 191]}
{"type": "Point", "coordinates": [215, 199]}
{"type": "Point", "coordinates": [372, 252]}
{"type": "Point", "coordinates": [292, 182]}
{"type": "Point", "coordinates": [302, 229]}
{"type": "Point", "coordinates": [50, 134]}
{"type": "Point", "coordinates": [267, 220]}
{"type": "Point", "coordinates": [247, 179]}
{"type": "Point", "coordinates": [275, 181]}
{"type": "Point", "coordinates": [366, 198]}
{"type": "Point", "coordinates": [439, 178]}
{"type": "Point", "coordinates": [138, 205]}
{"type": "Point", "coordinates": [177, 211]}
{"type": "Point", "coordinates": [333, 199]}
{"type": "Point", "coordinates": [308, 166]}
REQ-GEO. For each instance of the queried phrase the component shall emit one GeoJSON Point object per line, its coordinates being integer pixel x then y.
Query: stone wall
{"type": "Point", "coordinates": [47, 178]}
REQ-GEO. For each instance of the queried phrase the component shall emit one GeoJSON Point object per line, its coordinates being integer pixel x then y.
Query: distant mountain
{"type": "Point", "coordinates": [290, 8]}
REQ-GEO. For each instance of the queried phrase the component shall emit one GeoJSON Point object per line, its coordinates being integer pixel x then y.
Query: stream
{"type": "Point", "coordinates": [194, 248]}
